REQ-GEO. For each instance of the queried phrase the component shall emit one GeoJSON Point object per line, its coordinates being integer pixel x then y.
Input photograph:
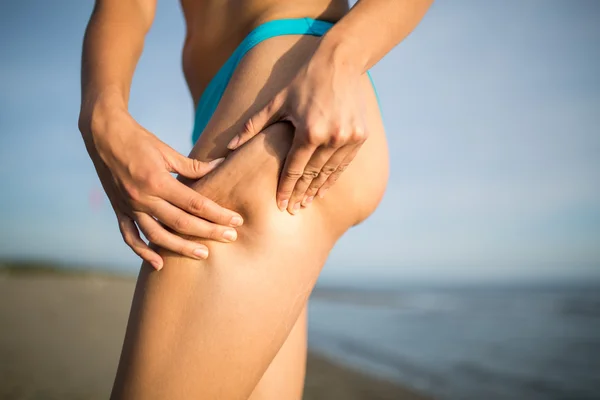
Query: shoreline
{"type": "Point", "coordinates": [63, 330]}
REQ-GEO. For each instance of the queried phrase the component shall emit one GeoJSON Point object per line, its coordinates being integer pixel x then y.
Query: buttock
{"type": "Point", "coordinates": [262, 72]}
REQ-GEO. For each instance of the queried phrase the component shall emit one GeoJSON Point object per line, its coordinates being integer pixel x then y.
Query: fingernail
{"type": "Point", "coordinates": [233, 143]}
{"type": "Point", "coordinates": [201, 253]}
{"type": "Point", "coordinates": [283, 205]}
{"type": "Point", "coordinates": [296, 206]}
{"type": "Point", "coordinates": [230, 235]}
{"type": "Point", "coordinates": [322, 192]}
{"type": "Point", "coordinates": [236, 221]}
{"type": "Point", "coordinates": [157, 265]}
{"type": "Point", "coordinates": [310, 199]}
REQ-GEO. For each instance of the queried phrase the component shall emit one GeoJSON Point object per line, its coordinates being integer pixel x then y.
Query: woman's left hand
{"type": "Point", "coordinates": [325, 103]}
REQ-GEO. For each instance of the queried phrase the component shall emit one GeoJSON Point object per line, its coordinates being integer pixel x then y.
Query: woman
{"type": "Point", "coordinates": [283, 95]}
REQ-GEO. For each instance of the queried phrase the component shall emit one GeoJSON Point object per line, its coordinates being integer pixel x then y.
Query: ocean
{"type": "Point", "coordinates": [522, 342]}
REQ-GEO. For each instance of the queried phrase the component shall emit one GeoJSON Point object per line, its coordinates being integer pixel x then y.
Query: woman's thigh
{"type": "Point", "coordinates": [284, 378]}
{"type": "Point", "coordinates": [209, 329]}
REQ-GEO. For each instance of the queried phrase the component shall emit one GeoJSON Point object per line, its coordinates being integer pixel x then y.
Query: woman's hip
{"type": "Point", "coordinates": [264, 71]}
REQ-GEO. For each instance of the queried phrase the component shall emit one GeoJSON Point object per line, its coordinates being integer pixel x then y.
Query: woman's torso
{"type": "Point", "coordinates": [214, 28]}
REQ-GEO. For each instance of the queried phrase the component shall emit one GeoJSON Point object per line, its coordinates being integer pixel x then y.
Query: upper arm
{"type": "Point", "coordinates": [145, 10]}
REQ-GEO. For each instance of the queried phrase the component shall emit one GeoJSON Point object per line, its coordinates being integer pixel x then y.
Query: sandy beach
{"type": "Point", "coordinates": [61, 334]}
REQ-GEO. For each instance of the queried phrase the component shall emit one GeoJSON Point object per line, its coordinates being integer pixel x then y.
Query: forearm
{"type": "Point", "coordinates": [112, 46]}
{"type": "Point", "coordinates": [370, 30]}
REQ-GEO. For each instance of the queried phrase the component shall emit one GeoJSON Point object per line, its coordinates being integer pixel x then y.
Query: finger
{"type": "Point", "coordinates": [311, 171]}
{"type": "Point", "coordinates": [268, 115]}
{"type": "Point", "coordinates": [194, 203]}
{"type": "Point", "coordinates": [295, 162]}
{"type": "Point", "coordinates": [188, 224]}
{"type": "Point", "coordinates": [158, 235]}
{"type": "Point", "coordinates": [190, 167]}
{"type": "Point", "coordinates": [340, 169]}
{"type": "Point", "coordinates": [329, 168]}
{"type": "Point", "coordinates": [131, 236]}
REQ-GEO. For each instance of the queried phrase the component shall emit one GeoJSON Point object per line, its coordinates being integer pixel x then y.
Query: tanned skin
{"type": "Point", "coordinates": [293, 157]}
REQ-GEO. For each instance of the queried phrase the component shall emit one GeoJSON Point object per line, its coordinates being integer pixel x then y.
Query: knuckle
{"type": "Point", "coordinates": [284, 193]}
{"type": "Point", "coordinates": [153, 235]}
{"type": "Point", "coordinates": [312, 138]}
{"type": "Point", "coordinates": [125, 234]}
{"type": "Point", "coordinates": [342, 167]}
{"type": "Point", "coordinates": [309, 174]}
{"type": "Point", "coordinates": [127, 239]}
{"type": "Point", "coordinates": [197, 204]}
{"type": "Point", "coordinates": [338, 137]}
{"type": "Point", "coordinates": [136, 249]}
{"type": "Point", "coordinates": [132, 192]}
{"type": "Point", "coordinates": [274, 104]}
{"type": "Point", "coordinates": [328, 170]}
{"type": "Point", "coordinates": [333, 178]}
{"type": "Point", "coordinates": [181, 224]}
{"type": "Point", "coordinates": [140, 253]}
{"type": "Point", "coordinates": [248, 128]}
{"type": "Point", "coordinates": [214, 234]}
{"type": "Point", "coordinates": [314, 185]}
{"type": "Point", "coordinates": [160, 183]}
{"type": "Point", "coordinates": [181, 248]}
{"type": "Point", "coordinates": [122, 225]}
{"type": "Point", "coordinates": [359, 134]}
{"type": "Point", "coordinates": [292, 174]}
{"type": "Point", "coordinates": [154, 185]}
{"type": "Point", "coordinates": [316, 134]}
{"type": "Point", "coordinates": [198, 166]}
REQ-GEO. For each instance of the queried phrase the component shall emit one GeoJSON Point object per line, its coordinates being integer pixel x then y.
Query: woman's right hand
{"type": "Point", "coordinates": [135, 167]}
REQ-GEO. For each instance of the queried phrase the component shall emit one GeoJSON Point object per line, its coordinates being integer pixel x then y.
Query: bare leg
{"type": "Point", "coordinates": [210, 329]}
{"type": "Point", "coordinates": [284, 378]}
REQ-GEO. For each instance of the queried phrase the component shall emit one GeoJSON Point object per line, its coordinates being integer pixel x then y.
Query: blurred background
{"type": "Point", "coordinates": [477, 277]}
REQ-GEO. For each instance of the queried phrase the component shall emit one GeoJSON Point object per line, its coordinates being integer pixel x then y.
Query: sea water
{"type": "Point", "coordinates": [467, 343]}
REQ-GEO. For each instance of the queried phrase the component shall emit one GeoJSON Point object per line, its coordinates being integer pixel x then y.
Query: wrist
{"type": "Point", "coordinates": [342, 52]}
{"type": "Point", "coordinates": [97, 109]}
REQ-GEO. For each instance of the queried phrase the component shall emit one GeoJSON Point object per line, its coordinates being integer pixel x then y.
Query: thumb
{"type": "Point", "coordinates": [259, 121]}
{"type": "Point", "coordinates": [192, 168]}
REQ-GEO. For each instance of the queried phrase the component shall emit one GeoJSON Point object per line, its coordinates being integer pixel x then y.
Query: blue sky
{"type": "Point", "coordinates": [492, 111]}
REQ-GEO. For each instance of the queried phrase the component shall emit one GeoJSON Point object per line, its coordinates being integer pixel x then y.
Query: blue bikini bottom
{"type": "Point", "coordinates": [216, 87]}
